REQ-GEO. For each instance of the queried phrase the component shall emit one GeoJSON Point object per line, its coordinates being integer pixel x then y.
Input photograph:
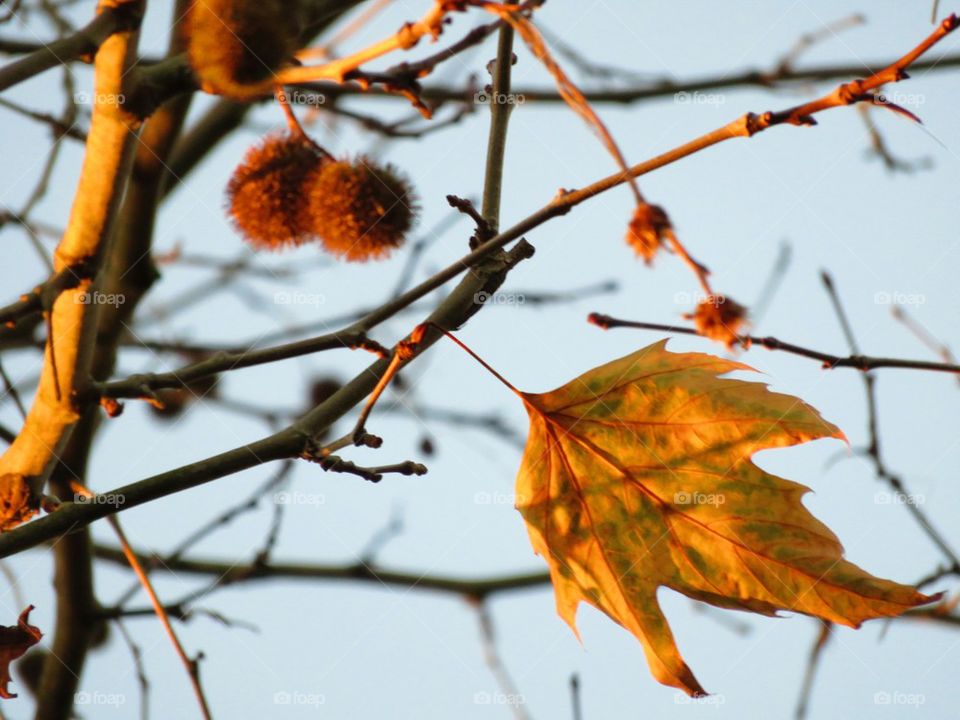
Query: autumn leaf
{"type": "Point", "coordinates": [14, 642]}
{"type": "Point", "coordinates": [638, 474]}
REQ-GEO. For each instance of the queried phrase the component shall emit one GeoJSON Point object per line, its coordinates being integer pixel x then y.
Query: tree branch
{"type": "Point", "coordinates": [111, 18]}
{"type": "Point", "coordinates": [860, 362]}
{"type": "Point", "coordinates": [27, 463]}
{"type": "Point", "coordinates": [477, 588]}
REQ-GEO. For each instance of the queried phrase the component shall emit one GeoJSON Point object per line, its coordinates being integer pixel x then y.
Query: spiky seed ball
{"type": "Point", "coordinates": [360, 210]}
{"type": "Point", "coordinates": [265, 195]}
{"type": "Point", "coordinates": [234, 46]}
{"type": "Point", "coordinates": [719, 318]}
{"type": "Point", "coordinates": [647, 230]}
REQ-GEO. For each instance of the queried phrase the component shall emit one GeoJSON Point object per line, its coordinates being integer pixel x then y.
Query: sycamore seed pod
{"type": "Point", "coordinates": [360, 210]}
{"type": "Point", "coordinates": [265, 195]}
{"type": "Point", "coordinates": [648, 228]}
{"type": "Point", "coordinates": [719, 318]}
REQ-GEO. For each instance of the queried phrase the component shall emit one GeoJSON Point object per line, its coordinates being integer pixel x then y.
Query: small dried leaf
{"type": "Point", "coordinates": [14, 642]}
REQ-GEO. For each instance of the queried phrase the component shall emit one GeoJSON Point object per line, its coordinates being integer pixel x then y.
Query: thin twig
{"type": "Point", "coordinates": [575, 697]}
{"type": "Point", "coordinates": [189, 663]}
{"type": "Point", "coordinates": [860, 362]}
{"type": "Point", "coordinates": [511, 696]}
{"type": "Point", "coordinates": [765, 297]}
{"type": "Point", "coordinates": [142, 680]}
{"type": "Point", "coordinates": [873, 449]}
{"type": "Point", "coordinates": [923, 335]}
{"type": "Point", "coordinates": [220, 521]}
{"type": "Point", "coordinates": [816, 654]}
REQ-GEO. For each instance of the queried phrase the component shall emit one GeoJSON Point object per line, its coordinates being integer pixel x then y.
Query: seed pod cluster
{"type": "Point", "coordinates": [288, 191]}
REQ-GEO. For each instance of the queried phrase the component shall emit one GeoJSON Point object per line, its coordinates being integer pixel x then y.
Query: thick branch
{"type": "Point", "coordinates": [25, 466]}
{"type": "Point", "coordinates": [85, 42]}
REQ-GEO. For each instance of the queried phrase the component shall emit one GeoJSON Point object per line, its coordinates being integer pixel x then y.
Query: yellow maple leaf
{"type": "Point", "coordinates": [638, 474]}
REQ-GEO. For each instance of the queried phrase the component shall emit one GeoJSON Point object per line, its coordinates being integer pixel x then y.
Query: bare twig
{"type": "Point", "coordinates": [575, 697]}
{"type": "Point", "coordinates": [923, 335]}
{"type": "Point", "coordinates": [813, 662]}
{"type": "Point", "coordinates": [873, 449]}
{"type": "Point", "coordinates": [508, 688]}
{"type": "Point", "coordinates": [760, 306]}
{"type": "Point", "coordinates": [143, 384]}
{"type": "Point", "coordinates": [878, 147]}
{"type": "Point", "coordinates": [808, 40]}
{"type": "Point", "coordinates": [142, 679]}
{"type": "Point", "coordinates": [221, 520]}
{"type": "Point", "coordinates": [239, 571]}
{"type": "Point", "coordinates": [860, 362]}
{"type": "Point", "coordinates": [191, 664]}
{"type": "Point", "coordinates": [334, 463]}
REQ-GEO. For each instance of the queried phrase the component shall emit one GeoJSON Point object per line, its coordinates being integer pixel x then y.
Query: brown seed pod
{"type": "Point", "coordinates": [719, 318]}
{"type": "Point", "coordinates": [234, 46]}
{"type": "Point", "coordinates": [647, 231]}
{"type": "Point", "coordinates": [265, 195]}
{"type": "Point", "coordinates": [360, 210]}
